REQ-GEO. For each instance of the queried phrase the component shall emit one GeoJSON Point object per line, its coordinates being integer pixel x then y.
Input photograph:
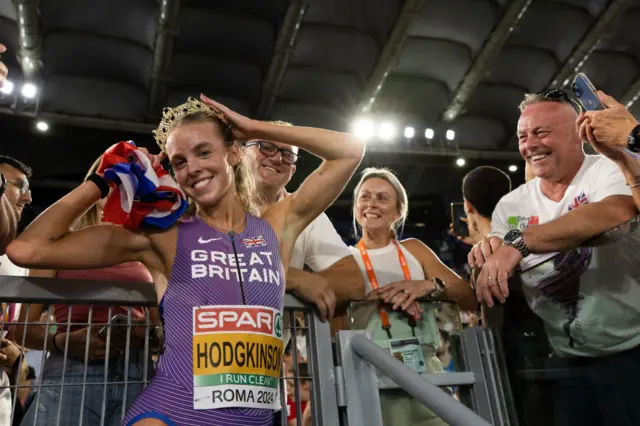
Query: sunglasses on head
{"type": "Point", "coordinates": [270, 149]}
{"type": "Point", "coordinates": [560, 95]}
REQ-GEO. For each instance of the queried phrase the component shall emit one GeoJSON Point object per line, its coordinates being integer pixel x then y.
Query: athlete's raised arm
{"type": "Point", "coordinates": [341, 154]}
{"type": "Point", "coordinates": [48, 243]}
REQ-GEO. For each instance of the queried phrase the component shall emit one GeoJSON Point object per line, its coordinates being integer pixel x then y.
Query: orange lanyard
{"type": "Point", "coordinates": [368, 266]}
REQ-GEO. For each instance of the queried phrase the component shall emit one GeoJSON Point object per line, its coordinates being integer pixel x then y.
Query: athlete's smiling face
{"type": "Point", "coordinates": [202, 162]}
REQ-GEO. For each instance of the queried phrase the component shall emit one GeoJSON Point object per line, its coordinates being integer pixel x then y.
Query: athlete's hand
{"type": "Point", "coordinates": [156, 159]}
{"type": "Point", "coordinates": [3, 68]}
{"type": "Point", "coordinates": [243, 127]}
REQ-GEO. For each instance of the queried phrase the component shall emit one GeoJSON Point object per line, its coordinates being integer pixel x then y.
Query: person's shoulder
{"type": "Point", "coordinates": [414, 245]}
{"type": "Point", "coordinates": [318, 226]}
{"type": "Point", "coordinates": [524, 191]}
{"type": "Point", "coordinates": [596, 163]}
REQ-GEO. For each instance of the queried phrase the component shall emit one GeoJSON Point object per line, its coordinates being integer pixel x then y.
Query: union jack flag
{"type": "Point", "coordinates": [254, 242]}
{"type": "Point", "coordinates": [578, 201]}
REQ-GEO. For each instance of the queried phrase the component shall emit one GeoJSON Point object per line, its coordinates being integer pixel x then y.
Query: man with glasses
{"type": "Point", "coordinates": [319, 247]}
{"type": "Point", "coordinates": [14, 195]}
{"type": "Point", "coordinates": [587, 298]}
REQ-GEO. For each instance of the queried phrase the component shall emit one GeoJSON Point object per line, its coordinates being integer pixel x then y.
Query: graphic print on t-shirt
{"type": "Point", "coordinates": [578, 201]}
{"type": "Point", "coordinates": [562, 285]}
{"type": "Point", "coordinates": [522, 222]}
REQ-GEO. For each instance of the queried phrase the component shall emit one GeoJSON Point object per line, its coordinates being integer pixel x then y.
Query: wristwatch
{"type": "Point", "coordinates": [514, 239]}
{"type": "Point", "coordinates": [3, 184]}
{"type": "Point", "coordinates": [633, 141]}
{"type": "Point", "coordinates": [440, 287]}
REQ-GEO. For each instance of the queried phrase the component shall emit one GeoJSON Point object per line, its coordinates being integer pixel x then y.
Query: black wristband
{"type": "Point", "coordinates": [3, 184]}
{"type": "Point", "coordinates": [101, 183]}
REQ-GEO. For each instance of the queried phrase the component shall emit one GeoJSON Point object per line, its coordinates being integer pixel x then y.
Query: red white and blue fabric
{"type": "Point", "coordinates": [141, 196]}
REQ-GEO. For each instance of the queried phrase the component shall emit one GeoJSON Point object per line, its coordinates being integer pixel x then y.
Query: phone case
{"type": "Point", "coordinates": [586, 93]}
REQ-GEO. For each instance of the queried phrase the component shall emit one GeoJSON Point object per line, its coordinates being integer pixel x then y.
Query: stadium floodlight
{"type": "Point", "coordinates": [429, 133]}
{"type": "Point", "coordinates": [7, 87]}
{"type": "Point", "coordinates": [29, 90]}
{"type": "Point", "coordinates": [386, 131]}
{"type": "Point", "coordinates": [43, 126]}
{"type": "Point", "coordinates": [363, 128]}
{"type": "Point", "coordinates": [450, 135]}
{"type": "Point", "coordinates": [409, 132]}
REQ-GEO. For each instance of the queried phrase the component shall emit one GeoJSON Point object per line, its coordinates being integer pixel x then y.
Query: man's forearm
{"type": "Point", "coordinates": [572, 229]}
{"type": "Point", "coordinates": [345, 279]}
{"type": "Point", "coordinates": [297, 278]}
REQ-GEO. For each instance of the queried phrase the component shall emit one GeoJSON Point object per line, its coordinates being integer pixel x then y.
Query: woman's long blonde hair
{"type": "Point", "coordinates": [402, 204]}
{"type": "Point", "coordinates": [92, 216]}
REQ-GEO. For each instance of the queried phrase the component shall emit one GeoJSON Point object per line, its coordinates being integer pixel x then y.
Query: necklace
{"type": "Point", "coordinates": [227, 230]}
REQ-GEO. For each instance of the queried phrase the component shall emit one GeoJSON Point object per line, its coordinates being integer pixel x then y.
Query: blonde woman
{"type": "Point", "coordinates": [399, 272]}
{"type": "Point", "coordinates": [221, 261]}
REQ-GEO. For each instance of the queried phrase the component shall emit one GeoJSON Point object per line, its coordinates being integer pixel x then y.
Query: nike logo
{"type": "Point", "coordinates": [205, 241]}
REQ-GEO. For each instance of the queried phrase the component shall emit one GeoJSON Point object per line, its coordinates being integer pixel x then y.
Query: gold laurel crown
{"type": "Point", "coordinates": [171, 117]}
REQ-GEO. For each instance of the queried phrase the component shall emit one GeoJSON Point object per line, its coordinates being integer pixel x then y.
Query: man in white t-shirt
{"type": "Point", "coordinates": [336, 275]}
{"type": "Point", "coordinates": [588, 298]}
{"type": "Point", "coordinates": [319, 247]}
{"type": "Point", "coordinates": [14, 195]}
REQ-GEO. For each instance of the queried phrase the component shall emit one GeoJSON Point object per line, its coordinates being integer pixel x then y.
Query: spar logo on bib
{"type": "Point", "coordinates": [237, 356]}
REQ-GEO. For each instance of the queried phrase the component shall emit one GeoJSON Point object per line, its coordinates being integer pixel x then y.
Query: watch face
{"type": "Point", "coordinates": [511, 236]}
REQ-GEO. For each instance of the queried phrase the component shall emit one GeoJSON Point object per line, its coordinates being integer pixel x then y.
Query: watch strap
{"type": "Point", "coordinates": [516, 241]}
{"type": "Point", "coordinates": [440, 287]}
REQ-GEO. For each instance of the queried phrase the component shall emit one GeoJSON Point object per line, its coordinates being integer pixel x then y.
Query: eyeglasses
{"type": "Point", "coordinates": [22, 185]}
{"type": "Point", "coordinates": [269, 149]}
{"type": "Point", "coordinates": [560, 96]}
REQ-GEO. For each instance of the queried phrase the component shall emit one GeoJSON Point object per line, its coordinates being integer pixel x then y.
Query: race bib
{"type": "Point", "coordinates": [409, 351]}
{"type": "Point", "coordinates": [237, 356]}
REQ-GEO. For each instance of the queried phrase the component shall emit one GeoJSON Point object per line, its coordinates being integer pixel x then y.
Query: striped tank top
{"type": "Point", "coordinates": [213, 269]}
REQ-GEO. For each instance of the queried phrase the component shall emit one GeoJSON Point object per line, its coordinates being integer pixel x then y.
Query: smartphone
{"type": "Point", "coordinates": [118, 320]}
{"type": "Point", "coordinates": [586, 93]}
{"type": "Point", "coordinates": [460, 228]}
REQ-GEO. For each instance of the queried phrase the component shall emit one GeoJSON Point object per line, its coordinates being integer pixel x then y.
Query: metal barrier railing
{"type": "Point", "coordinates": [315, 388]}
{"type": "Point", "coordinates": [309, 336]}
{"type": "Point", "coordinates": [480, 389]}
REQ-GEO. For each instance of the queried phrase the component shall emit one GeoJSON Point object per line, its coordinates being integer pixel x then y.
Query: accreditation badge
{"type": "Point", "coordinates": [237, 357]}
{"type": "Point", "coordinates": [409, 351]}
